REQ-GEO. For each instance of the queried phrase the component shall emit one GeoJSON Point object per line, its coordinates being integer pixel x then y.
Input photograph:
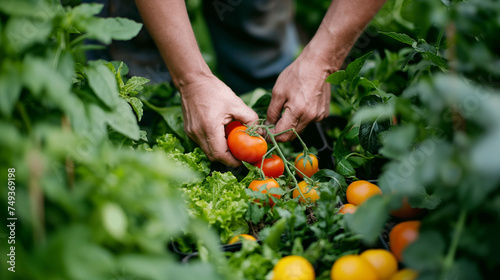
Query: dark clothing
{"type": "Point", "coordinates": [254, 40]}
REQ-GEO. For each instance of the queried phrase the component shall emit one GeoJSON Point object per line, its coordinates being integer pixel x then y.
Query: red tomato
{"type": "Point", "coordinates": [269, 183]}
{"type": "Point", "coordinates": [307, 165]}
{"type": "Point", "coordinates": [246, 147]}
{"type": "Point", "coordinates": [272, 167]}
{"type": "Point", "coordinates": [230, 126]}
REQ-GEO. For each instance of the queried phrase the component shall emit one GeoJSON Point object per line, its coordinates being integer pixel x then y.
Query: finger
{"type": "Point", "coordinates": [245, 115]}
{"type": "Point", "coordinates": [275, 107]}
{"type": "Point", "coordinates": [217, 149]}
{"type": "Point", "coordinates": [287, 121]}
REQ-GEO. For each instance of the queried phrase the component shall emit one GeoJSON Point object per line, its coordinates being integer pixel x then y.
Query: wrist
{"type": "Point", "coordinates": [327, 55]}
{"type": "Point", "coordinates": [186, 79]}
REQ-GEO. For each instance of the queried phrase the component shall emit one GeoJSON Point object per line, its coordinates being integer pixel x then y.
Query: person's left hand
{"type": "Point", "coordinates": [299, 97]}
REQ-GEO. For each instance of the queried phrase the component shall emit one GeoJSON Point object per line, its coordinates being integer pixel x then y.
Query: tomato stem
{"type": "Point", "coordinates": [271, 136]}
{"type": "Point", "coordinates": [261, 171]}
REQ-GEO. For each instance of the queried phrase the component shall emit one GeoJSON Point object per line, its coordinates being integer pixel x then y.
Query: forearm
{"type": "Point", "coordinates": [343, 23]}
{"type": "Point", "coordinates": [168, 23]}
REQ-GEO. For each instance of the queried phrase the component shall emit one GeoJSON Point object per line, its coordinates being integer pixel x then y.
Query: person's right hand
{"type": "Point", "coordinates": [207, 106]}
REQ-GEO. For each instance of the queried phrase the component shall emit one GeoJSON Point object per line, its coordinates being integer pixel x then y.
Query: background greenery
{"type": "Point", "coordinates": [106, 176]}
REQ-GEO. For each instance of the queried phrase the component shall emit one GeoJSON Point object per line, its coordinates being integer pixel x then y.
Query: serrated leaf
{"type": "Point", "coordinates": [137, 105]}
{"type": "Point", "coordinates": [103, 83]}
{"type": "Point", "coordinates": [134, 84]}
{"type": "Point", "coordinates": [107, 29]}
{"type": "Point", "coordinates": [354, 67]}
{"type": "Point", "coordinates": [423, 46]}
{"type": "Point", "coordinates": [401, 37]}
{"type": "Point", "coordinates": [436, 60]}
{"type": "Point", "coordinates": [337, 78]}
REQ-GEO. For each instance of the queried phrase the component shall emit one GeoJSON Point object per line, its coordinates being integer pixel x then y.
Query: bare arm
{"type": "Point", "coordinates": [301, 89]}
{"type": "Point", "coordinates": [207, 103]}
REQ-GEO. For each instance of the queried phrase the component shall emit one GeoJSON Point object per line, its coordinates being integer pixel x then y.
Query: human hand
{"type": "Point", "coordinates": [207, 106]}
{"type": "Point", "coordinates": [303, 94]}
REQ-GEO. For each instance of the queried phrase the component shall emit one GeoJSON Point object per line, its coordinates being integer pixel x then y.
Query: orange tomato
{"type": "Point", "coordinates": [293, 268]}
{"type": "Point", "coordinates": [401, 236]}
{"type": "Point", "coordinates": [348, 208]}
{"type": "Point", "coordinates": [383, 261]}
{"type": "Point", "coordinates": [406, 212]}
{"type": "Point", "coordinates": [239, 237]}
{"type": "Point", "coordinates": [246, 146]}
{"type": "Point", "coordinates": [359, 191]}
{"type": "Point", "coordinates": [307, 165]}
{"type": "Point", "coordinates": [405, 274]}
{"type": "Point", "coordinates": [309, 193]}
{"type": "Point", "coordinates": [269, 183]}
{"type": "Point", "coordinates": [353, 267]}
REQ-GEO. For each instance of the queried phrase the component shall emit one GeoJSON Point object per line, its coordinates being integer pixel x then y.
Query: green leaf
{"type": "Point", "coordinates": [354, 67]}
{"type": "Point", "coordinates": [336, 78]}
{"type": "Point", "coordinates": [136, 104]}
{"type": "Point", "coordinates": [10, 87]}
{"type": "Point", "coordinates": [401, 37]}
{"type": "Point", "coordinates": [114, 220]}
{"type": "Point", "coordinates": [26, 7]}
{"type": "Point", "coordinates": [369, 133]}
{"type": "Point", "coordinates": [122, 119]}
{"type": "Point", "coordinates": [422, 46]}
{"type": "Point", "coordinates": [436, 60]}
{"type": "Point", "coordinates": [345, 168]}
{"type": "Point", "coordinates": [427, 252]}
{"type": "Point", "coordinates": [85, 10]}
{"type": "Point", "coordinates": [107, 29]}
{"type": "Point", "coordinates": [274, 234]}
{"type": "Point", "coordinates": [134, 85]}
{"type": "Point", "coordinates": [369, 218]}
{"type": "Point", "coordinates": [22, 33]}
{"type": "Point", "coordinates": [173, 117]}
{"type": "Point", "coordinates": [399, 141]}
{"type": "Point", "coordinates": [103, 83]}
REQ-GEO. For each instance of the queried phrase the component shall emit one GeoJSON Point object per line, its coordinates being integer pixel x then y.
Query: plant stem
{"type": "Point", "coordinates": [283, 157]}
{"type": "Point", "coordinates": [450, 256]}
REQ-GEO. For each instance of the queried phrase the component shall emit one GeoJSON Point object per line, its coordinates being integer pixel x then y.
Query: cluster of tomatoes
{"type": "Point", "coordinates": [246, 145]}
{"type": "Point", "coordinates": [378, 263]}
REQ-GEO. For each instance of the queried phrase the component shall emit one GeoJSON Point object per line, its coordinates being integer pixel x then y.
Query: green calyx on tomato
{"type": "Point", "coordinates": [306, 164]}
